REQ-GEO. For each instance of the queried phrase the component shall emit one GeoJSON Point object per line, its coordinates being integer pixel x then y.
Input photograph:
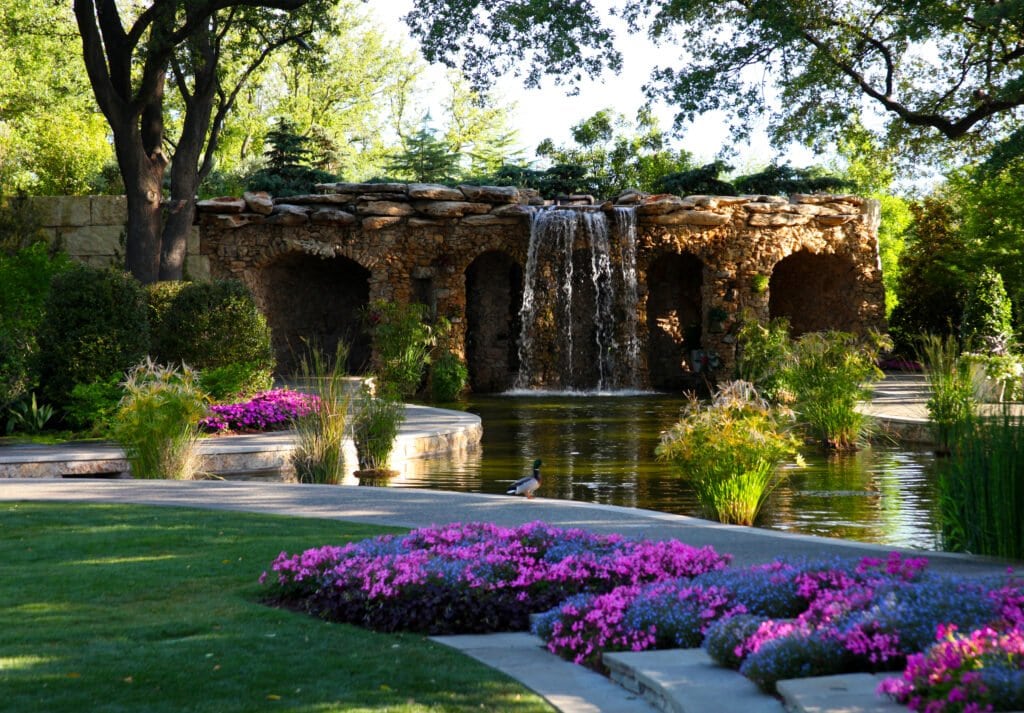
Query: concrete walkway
{"type": "Point", "coordinates": [674, 681]}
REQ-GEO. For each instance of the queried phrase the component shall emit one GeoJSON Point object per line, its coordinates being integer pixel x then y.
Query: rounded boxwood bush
{"type": "Point", "coordinates": [210, 325]}
{"type": "Point", "coordinates": [96, 326]}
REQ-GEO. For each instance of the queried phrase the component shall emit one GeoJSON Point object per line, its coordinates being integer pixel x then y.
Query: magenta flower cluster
{"type": "Point", "coordinates": [474, 577]}
{"type": "Point", "coordinates": [273, 410]}
{"type": "Point", "coordinates": [980, 671]}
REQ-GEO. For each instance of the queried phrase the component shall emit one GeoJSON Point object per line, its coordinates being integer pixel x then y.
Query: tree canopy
{"type": "Point", "coordinates": [936, 70]}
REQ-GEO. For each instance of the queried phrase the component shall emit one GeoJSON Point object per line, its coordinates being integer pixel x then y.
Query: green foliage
{"type": "Point", "coordinates": [987, 317]}
{"type": "Point", "coordinates": [449, 377]}
{"type": "Point", "coordinates": [762, 352]}
{"type": "Point", "coordinates": [375, 429]}
{"type": "Point", "coordinates": [210, 325]}
{"type": "Point", "coordinates": [287, 171]}
{"type": "Point", "coordinates": [236, 381]}
{"type": "Point", "coordinates": [826, 62]}
{"type": "Point", "coordinates": [785, 180]}
{"type": "Point", "coordinates": [425, 158]}
{"type": "Point", "coordinates": [24, 286]}
{"type": "Point", "coordinates": [697, 181]}
{"type": "Point", "coordinates": [829, 373]}
{"type": "Point", "coordinates": [933, 274]}
{"type": "Point", "coordinates": [319, 456]}
{"type": "Point", "coordinates": [91, 407]}
{"type": "Point", "coordinates": [730, 451]}
{"type": "Point", "coordinates": [613, 156]}
{"type": "Point", "coordinates": [981, 491]}
{"type": "Point", "coordinates": [157, 423]}
{"type": "Point", "coordinates": [951, 403]}
{"type": "Point", "coordinates": [994, 376]}
{"type": "Point", "coordinates": [28, 415]}
{"type": "Point", "coordinates": [20, 224]}
{"type": "Point", "coordinates": [96, 325]}
{"type": "Point", "coordinates": [402, 342]}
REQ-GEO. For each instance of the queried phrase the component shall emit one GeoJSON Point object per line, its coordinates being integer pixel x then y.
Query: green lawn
{"type": "Point", "coordinates": [123, 608]}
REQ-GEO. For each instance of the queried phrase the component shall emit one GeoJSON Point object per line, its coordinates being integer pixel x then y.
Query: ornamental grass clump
{"type": "Point", "coordinates": [471, 578]}
{"type": "Point", "coordinates": [951, 404]}
{"type": "Point", "coordinates": [730, 450]}
{"type": "Point", "coordinates": [157, 423]}
{"type": "Point", "coordinates": [375, 429]}
{"type": "Point", "coordinates": [273, 410]}
{"type": "Point", "coordinates": [319, 455]}
{"type": "Point", "coordinates": [829, 374]}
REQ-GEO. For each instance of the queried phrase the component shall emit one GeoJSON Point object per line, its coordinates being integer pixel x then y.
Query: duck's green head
{"type": "Point", "coordinates": [536, 463]}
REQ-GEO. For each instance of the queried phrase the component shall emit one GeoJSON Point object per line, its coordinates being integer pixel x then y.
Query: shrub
{"type": "Point", "coordinates": [449, 377]}
{"type": "Point", "coordinates": [235, 381]}
{"type": "Point", "coordinates": [318, 456]}
{"type": "Point", "coordinates": [267, 411]}
{"type": "Point", "coordinates": [401, 343]}
{"type": "Point", "coordinates": [157, 423]}
{"type": "Point", "coordinates": [211, 325]}
{"type": "Point", "coordinates": [730, 451]}
{"type": "Point", "coordinates": [24, 286]}
{"type": "Point", "coordinates": [96, 325]}
{"type": "Point", "coordinates": [829, 374]}
{"type": "Point", "coordinates": [375, 429]}
{"type": "Point", "coordinates": [91, 407]}
{"type": "Point", "coordinates": [987, 323]}
{"type": "Point", "coordinates": [761, 355]}
{"type": "Point", "coordinates": [473, 577]}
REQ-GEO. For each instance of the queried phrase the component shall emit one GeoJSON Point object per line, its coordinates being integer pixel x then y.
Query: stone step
{"type": "Point", "coordinates": [845, 693]}
{"type": "Point", "coordinates": [687, 681]}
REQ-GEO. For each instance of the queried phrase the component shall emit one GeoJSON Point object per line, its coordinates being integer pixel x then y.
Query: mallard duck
{"type": "Point", "coordinates": [528, 485]}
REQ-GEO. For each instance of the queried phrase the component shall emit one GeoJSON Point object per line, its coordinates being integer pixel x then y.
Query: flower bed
{"type": "Point", "coordinates": [475, 577]}
{"type": "Point", "coordinates": [774, 621]}
{"type": "Point", "coordinates": [273, 410]}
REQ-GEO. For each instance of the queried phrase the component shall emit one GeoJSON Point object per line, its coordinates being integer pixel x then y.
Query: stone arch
{"type": "Point", "coordinates": [814, 291]}
{"type": "Point", "coordinates": [307, 297]}
{"type": "Point", "coordinates": [494, 295]}
{"type": "Point", "coordinates": [674, 316]}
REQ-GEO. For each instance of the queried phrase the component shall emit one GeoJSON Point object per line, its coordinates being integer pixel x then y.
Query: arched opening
{"type": "Point", "coordinates": [674, 309]}
{"type": "Point", "coordinates": [316, 301]}
{"type": "Point", "coordinates": [813, 292]}
{"type": "Point", "coordinates": [494, 295]}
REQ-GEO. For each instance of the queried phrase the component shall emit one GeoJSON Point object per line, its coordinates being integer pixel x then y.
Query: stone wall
{"type": "Point", "coordinates": [91, 230]}
{"type": "Point", "coordinates": [701, 262]}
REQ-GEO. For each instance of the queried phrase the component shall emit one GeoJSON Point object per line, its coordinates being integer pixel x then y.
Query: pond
{"type": "Point", "coordinates": [600, 449]}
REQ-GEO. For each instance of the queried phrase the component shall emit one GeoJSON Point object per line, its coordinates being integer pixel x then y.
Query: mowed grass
{"type": "Point", "coordinates": [125, 608]}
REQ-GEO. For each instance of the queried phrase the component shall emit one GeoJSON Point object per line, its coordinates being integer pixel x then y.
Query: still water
{"type": "Point", "coordinates": [601, 449]}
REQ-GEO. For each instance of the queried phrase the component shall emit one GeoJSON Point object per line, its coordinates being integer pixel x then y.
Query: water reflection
{"type": "Point", "coordinates": [601, 449]}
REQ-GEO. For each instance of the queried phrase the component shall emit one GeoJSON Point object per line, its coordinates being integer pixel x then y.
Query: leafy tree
{"type": "Point", "coordinates": [342, 97]}
{"type": "Point", "coordinates": [617, 156]}
{"type": "Point", "coordinates": [288, 171]}
{"type": "Point", "coordinates": [478, 128]}
{"type": "Point", "coordinates": [987, 317]}
{"type": "Point", "coordinates": [937, 71]}
{"type": "Point", "coordinates": [52, 139]}
{"type": "Point", "coordinates": [425, 158]}
{"type": "Point", "coordinates": [934, 274]}
{"type": "Point", "coordinates": [207, 50]}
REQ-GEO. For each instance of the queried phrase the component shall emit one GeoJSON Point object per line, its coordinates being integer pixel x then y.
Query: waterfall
{"type": "Point", "coordinates": [578, 318]}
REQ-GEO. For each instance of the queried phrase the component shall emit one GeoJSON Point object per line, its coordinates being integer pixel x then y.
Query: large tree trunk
{"type": "Point", "coordinates": [143, 181]}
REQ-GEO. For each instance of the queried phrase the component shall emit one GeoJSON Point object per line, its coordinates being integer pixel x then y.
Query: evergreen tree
{"type": "Point", "coordinates": [425, 158]}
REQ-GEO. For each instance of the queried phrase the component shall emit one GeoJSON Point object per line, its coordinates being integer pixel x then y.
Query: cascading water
{"type": "Point", "coordinates": [579, 311]}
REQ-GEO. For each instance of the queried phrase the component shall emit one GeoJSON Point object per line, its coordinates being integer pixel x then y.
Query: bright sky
{"type": "Point", "coordinates": [549, 112]}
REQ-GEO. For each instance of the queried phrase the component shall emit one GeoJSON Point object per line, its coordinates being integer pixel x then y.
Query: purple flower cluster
{"type": "Point", "coordinates": [666, 614]}
{"type": "Point", "coordinates": [474, 577]}
{"type": "Point", "coordinates": [982, 671]}
{"type": "Point", "coordinates": [272, 410]}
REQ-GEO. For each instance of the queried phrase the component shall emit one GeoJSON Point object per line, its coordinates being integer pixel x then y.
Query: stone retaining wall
{"type": "Point", "coordinates": [91, 230]}
{"type": "Point", "coordinates": [702, 262]}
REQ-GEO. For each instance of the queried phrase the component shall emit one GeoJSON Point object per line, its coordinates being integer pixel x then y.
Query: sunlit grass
{"type": "Point", "coordinates": [111, 608]}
